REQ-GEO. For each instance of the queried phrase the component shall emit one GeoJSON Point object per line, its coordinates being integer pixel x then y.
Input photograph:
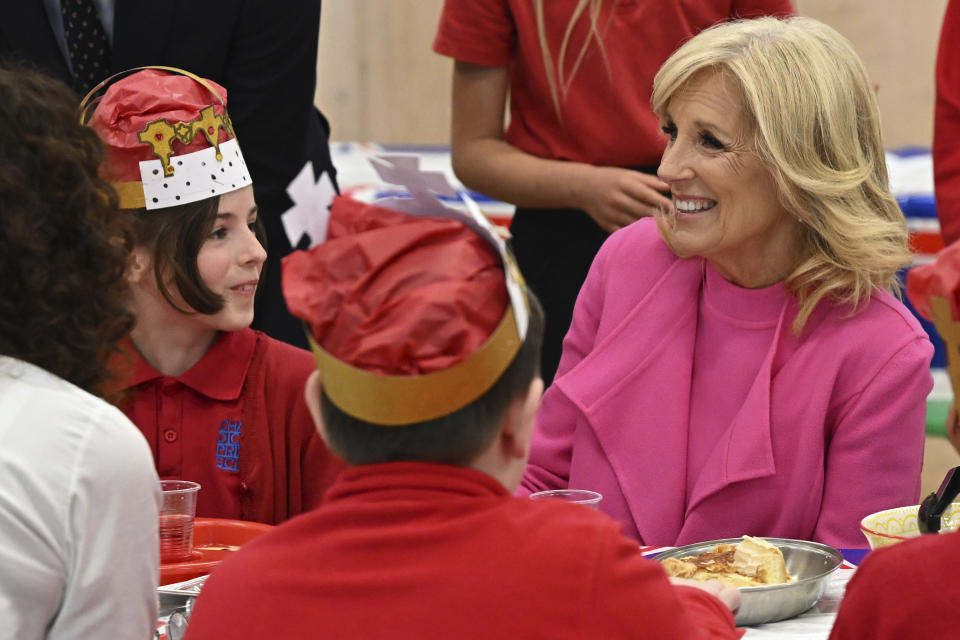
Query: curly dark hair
{"type": "Point", "coordinates": [64, 245]}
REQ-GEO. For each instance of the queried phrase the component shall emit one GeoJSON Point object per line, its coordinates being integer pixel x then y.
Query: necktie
{"type": "Point", "coordinates": [86, 43]}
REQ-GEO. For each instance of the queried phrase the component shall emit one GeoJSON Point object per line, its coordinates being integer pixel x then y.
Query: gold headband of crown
{"type": "Point", "coordinates": [391, 401]}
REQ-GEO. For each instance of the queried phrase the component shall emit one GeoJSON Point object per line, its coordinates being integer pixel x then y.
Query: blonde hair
{"type": "Point", "coordinates": [559, 84]}
{"type": "Point", "coordinates": [816, 126]}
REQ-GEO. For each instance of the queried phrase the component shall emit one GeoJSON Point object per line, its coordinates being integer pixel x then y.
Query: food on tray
{"type": "Point", "coordinates": [754, 562]}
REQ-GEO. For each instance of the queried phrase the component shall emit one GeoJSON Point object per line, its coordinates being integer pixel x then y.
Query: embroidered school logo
{"type": "Point", "coordinates": [228, 445]}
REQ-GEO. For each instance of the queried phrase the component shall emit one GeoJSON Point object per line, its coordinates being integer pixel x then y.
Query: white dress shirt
{"type": "Point", "coordinates": [78, 513]}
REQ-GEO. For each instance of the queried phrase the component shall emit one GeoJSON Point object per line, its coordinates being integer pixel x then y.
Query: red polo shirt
{"type": "Point", "coordinates": [193, 422]}
{"type": "Point", "coordinates": [236, 423]}
{"type": "Point", "coordinates": [606, 113]}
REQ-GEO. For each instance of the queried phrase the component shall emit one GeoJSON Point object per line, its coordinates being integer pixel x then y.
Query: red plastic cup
{"type": "Point", "coordinates": [176, 519]}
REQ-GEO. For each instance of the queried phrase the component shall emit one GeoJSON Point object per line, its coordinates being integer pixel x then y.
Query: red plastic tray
{"type": "Point", "coordinates": [213, 540]}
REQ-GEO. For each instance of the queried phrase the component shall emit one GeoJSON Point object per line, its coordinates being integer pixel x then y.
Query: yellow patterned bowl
{"type": "Point", "coordinates": [890, 526]}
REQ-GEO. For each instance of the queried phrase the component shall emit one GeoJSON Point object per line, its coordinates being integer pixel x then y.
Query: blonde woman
{"type": "Point", "coordinates": [578, 75]}
{"type": "Point", "coordinates": [741, 364]}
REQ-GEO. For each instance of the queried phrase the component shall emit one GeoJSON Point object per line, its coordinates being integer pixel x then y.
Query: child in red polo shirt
{"type": "Point", "coordinates": [219, 403]}
{"type": "Point", "coordinates": [428, 358]}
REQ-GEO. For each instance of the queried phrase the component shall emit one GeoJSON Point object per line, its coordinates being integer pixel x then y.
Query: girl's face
{"type": "Point", "coordinates": [231, 260]}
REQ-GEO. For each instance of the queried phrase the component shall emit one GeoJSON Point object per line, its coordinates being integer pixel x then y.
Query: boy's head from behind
{"type": "Point", "coordinates": [419, 348]}
{"type": "Point", "coordinates": [456, 438]}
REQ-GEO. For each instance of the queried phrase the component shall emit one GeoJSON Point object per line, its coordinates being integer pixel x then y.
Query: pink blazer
{"type": "Point", "coordinates": [831, 430]}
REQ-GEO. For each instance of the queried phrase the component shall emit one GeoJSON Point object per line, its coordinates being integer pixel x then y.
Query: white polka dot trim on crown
{"type": "Point", "coordinates": [196, 176]}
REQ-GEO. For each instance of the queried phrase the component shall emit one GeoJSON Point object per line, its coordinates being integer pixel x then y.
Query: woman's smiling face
{"type": "Point", "coordinates": [725, 200]}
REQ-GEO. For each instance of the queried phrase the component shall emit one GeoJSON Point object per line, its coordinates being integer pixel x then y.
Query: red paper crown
{"type": "Point", "coordinates": [168, 136]}
{"type": "Point", "coordinates": [409, 316]}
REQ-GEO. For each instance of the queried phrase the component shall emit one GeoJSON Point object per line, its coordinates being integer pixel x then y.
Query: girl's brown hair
{"type": "Point", "coordinates": [173, 236]}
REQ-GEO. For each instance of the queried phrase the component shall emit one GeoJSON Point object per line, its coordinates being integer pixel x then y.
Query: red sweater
{"type": "Point", "coordinates": [235, 422]}
{"type": "Point", "coordinates": [415, 550]}
{"type": "Point", "coordinates": [909, 590]}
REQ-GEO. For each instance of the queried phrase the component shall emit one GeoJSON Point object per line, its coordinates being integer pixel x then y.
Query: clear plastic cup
{"type": "Point", "coordinates": [177, 514]}
{"type": "Point", "coordinates": [575, 496]}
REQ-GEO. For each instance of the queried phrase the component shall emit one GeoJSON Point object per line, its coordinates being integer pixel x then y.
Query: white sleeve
{"type": "Point", "coordinates": [112, 550]}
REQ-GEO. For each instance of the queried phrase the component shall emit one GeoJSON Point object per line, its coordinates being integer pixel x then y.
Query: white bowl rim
{"type": "Point", "coordinates": [955, 506]}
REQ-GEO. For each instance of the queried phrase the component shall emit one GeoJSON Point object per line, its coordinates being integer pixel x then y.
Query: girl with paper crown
{"type": "Point", "coordinates": [219, 403]}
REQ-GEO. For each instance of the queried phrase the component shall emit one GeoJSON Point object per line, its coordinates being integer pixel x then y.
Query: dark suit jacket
{"type": "Point", "coordinates": [264, 54]}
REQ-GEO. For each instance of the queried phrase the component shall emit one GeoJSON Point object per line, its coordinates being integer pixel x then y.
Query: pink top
{"type": "Point", "coordinates": [830, 430]}
{"type": "Point", "coordinates": [734, 330]}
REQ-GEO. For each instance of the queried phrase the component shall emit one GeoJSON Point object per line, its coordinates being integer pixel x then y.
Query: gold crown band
{"type": "Point", "coordinates": [130, 194]}
{"type": "Point", "coordinates": [392, 401]}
